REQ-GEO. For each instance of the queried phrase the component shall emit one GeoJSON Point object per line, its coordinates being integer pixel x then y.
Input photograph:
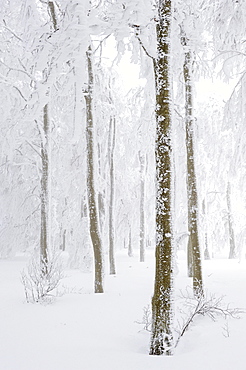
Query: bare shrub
{"type": "Point", "coordinates": [146, 319]}
{"type": "Point", "coordinates": [206, 305]}
{"type": "Point", "coordinates": [201, 304]}
{"type": "Point", "coordinates": [40, 284]}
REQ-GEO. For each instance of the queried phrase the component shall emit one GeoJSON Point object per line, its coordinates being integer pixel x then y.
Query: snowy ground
{"type": "Point", "coordinates": [84, 331]}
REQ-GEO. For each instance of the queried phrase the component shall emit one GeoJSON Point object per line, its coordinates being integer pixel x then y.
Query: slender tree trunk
{"type": "Point", "coordinates": [232, 253]}
{"type": "Point", "coordinates": [206, 251]}
{"type": "Point", "coordinates": [45, 174]}
{"type": "Point", "coordinates": [111, 197]}
{"type": "Point", "coordinates": [130, 251]}
{"type": "Point", "coordinates": [194, 253]}
{"type": "Point", "coordinates": [45, 196]}
{"type": "Point", "coordinates": [162, 301]}
{"type": "Point", "coordinates": [142, 197]}
{"type": "Point", "coordinates": [92, 204]}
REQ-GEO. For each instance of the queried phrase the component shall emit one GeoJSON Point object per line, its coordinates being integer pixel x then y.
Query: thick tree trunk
{"type": "Point", "coordinates": [92, 205]}
{"type": "Point", "coordinates": [194, 253]}
{"type": "Point", "coordinates": [111, 197]}
{"type": "Point", "coordinates": [162, 301]}
{"type": "Point", "coordinates": [142, 218]}
{"type": "Point", "coordinates": [232, 253]}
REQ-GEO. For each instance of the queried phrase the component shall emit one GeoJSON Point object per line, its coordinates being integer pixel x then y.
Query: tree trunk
{"type": "Point", "coordinates": [91, 192]}
{"type": "Point", "coordinates": [130, 251]}
{"type": "Point", "coordinates": [142, 196]}
{"type": "Point", "coordinates": [45, 172]}
{"type": "Point", "coordinates": [45, 196]}
{"type": "Point", "coordinates": [206, 251]}
{"type": "Point", "coordinates": [111, 197]}
{"type": "Point", "coordinates": [232, 253]}
{"type": "Point", "coordinates": [194, 254]}
{"type": "Point", "coordinates": [162, 301]}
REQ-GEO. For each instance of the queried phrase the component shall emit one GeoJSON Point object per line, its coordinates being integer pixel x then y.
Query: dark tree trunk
{"type": "Point", "coordinates": [162, 302]}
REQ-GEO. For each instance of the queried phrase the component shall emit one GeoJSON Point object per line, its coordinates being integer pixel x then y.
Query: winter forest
{"type": "Point", "coordinates": [123, 208]}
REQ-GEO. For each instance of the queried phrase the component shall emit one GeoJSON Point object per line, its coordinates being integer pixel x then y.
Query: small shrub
{"type": "Point", "coordinates": [41, 279]}
{"type": "Point", "coordinates": [146, 319]}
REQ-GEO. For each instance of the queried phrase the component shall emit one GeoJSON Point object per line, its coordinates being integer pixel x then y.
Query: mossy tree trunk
{"type": "Point", "coordinates": [193, 252]}
{"type": "Point", "coordinates": [91, 191]}
{"type": "Point", "coordinates": [162, 301]}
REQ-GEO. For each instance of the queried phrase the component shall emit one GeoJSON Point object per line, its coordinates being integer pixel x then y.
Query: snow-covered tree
{"type": "Point", "coordinates": [162, 311]}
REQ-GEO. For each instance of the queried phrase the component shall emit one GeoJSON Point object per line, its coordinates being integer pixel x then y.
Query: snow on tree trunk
{"type": "Point", "coordinates": [142, 197]}
{"type": "Point", "coordinates": [91, 191]}
{"type": "Point", "coordinates": [111, 196]}
{"type": "Point", "coordinates": [130, 251]}
{"type": "Point", "coordinates": [232, 253]}
{"type": "Point", "coordinates": [45, 171]}
{"type": "Point", "coordinates": [206, 251]}
{"type": "Point", "coordinates": [45, 196]}
{"type": "Point", "coordinates": [193, 251]}
{"type": "Point", "coordinates": [162, 301]}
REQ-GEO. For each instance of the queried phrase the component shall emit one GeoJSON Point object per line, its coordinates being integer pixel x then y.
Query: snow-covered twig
{"type": "Point", "coordinates": [205, 305]}
{"type": "Point", "coordinates": [38, 286]}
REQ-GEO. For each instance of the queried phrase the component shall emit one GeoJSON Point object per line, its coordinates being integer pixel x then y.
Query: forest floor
{"type": "Point", "coordinates": [84, 331]}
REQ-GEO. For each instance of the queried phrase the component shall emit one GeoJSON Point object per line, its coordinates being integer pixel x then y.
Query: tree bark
{"type": "Point", "coordinates": [91, 192]}
{"type": "Point", "coordinates": [162, 301]}
{"type": "Point", "coordinates": [194, 254]}
{"type": "Point", "coordinates": [45, 172]}
{"type": "Point", "coordinates": [142, 218]}
{"type": "Point", "coordinates": [45, 196]}
{"type": "Point", "coordinates": [111, 197]}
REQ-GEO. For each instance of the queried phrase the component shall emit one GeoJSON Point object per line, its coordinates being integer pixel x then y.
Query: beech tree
{"type": "Point", "coordinates": [162, 311]}
{"type": "Point", "coordinates": [111, 149]}
{"type": "Point", "coordinates": [92, 203]}
{"type": "Point", "coordinates": [193, 248]}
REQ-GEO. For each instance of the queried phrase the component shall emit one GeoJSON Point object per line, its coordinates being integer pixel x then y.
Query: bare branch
{"type": "Point", "coordinates": [211, 306]}
{"type": "Point", "coordinates": [136, 30]}
{"type": "Point", "coordinates": [13, 33]}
